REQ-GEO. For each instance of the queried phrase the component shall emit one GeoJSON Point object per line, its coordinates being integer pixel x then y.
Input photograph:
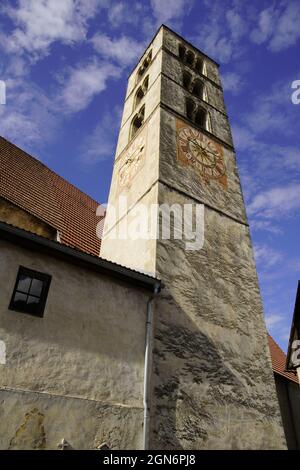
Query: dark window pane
{"type": "Point", "coordinates": [36, 287]}
{"type": "Point", "coordinates": [24, 283]}
{"type": "Point", "coordinates": [32, 300]}
{"type": "Point", "coordinates": [20, 298]}
{"type": "Point", "coordinates": [30, 292]}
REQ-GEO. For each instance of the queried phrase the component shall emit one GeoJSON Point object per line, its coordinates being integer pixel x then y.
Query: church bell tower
{"type": "Point", "coordinates": [212, 384]}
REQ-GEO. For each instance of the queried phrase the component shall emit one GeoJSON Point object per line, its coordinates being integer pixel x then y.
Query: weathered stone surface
{"type": "Point", "coordinates": [171, 42]}
{"type": "Point", "coordinates": [173, 95]}
{"type": "Point", "coordinates": [173, 68]}
{"type": "Point", "coordinates": [230, 201]}
{"type": "Point", "coordinates": [41, 421]}
{"type": "Point", "coordinates": [213, 382]}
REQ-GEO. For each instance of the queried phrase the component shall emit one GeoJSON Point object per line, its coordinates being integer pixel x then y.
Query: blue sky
{"type": "Point", "coordinates": [66, 62]}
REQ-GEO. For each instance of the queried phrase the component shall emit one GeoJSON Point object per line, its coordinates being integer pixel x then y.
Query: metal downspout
{"type": "Point", "coordinates": [147, 368]}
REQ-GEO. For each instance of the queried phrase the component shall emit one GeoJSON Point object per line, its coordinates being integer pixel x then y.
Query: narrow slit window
{"type": "Point", "coordinates": [138, 121]}
{"type": "Point", "coordinates": [190, 57]}
{"type": "Point", "coordinates": [199, 65]}
{"type": "Point", "coordinates": [200, 118]}
{"type": "Point", "coordinates": [30, 292]}
{"type": "Point", "coordinates": [138, 97]}
{"type": "Point", "coordinates": [145, 85]}
{"type": "Point", "coordinates": [198, 89]}
{"type": "Point", "coordinates": [181, 52]}
{"type": "Point", "coordinates": [144, 66]}
{"type": "Point", "coordinates": [190, 108]}
{"type": "Point", "coordinates": [186, 79]}
{"type": "Point", "coordinates": [142, 90]}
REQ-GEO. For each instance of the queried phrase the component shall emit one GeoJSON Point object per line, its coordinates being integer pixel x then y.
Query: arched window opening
{"type": "Point", "coordinates": [141, 91]}
{"type": "Point", "coordinates": [186, 79]}
{"type": "Point", "coordinates": [181, 52]}
{"type": "Point", "coordinates": [144, 66]}
{"type": "Point", "coordinates": [138, 97]}
{"type": "Point", "coordinates": [145, 85]}
{"type": "Point", "coordinates": [148, 59]}
{"type": "Point", "coordinates": [138, 121]}
{"type": "Point", "coordinates": [199, 65]}
{"type": "Point", "coordinates": [190, 57]}
{"type": "Point", "coordinates": [200, 118]}
{"type": "Point", "coordinates": [141, 72]}
{"type": "Point", "coordinates": [190, 108]}
{"type": "Point", "coordinates": [198, 88]}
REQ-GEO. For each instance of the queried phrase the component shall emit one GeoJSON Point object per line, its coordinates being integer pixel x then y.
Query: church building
{"type": "Point", "coordinates": [138, 342]}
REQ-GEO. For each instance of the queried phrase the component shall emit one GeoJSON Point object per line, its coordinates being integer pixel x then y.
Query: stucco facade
{"type": "Point", "coordinates": [77, 373]}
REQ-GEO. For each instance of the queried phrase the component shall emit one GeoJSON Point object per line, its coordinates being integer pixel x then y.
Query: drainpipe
{"type": "Point", "coordinates": [147, 368]}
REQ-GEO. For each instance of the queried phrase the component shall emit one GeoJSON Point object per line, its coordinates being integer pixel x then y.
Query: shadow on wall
{"type": "Point", "coordinates": [199, 401]}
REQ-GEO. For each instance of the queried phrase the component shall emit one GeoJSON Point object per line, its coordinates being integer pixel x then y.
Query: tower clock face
{"type": "Point", "coordinates": [132, 160]}
{"type": "Point", "coordinates": [203, 154]}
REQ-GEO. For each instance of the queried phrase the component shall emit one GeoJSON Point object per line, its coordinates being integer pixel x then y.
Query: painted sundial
{"type": "Point", "coordinates": [132, 160]}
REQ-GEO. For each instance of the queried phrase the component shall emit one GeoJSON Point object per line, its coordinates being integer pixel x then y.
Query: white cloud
{"type": "Point", "coordinates": [100, 144]}
{"type": "Point", "coordinates": [273, 319]}
{"type": "Point", "coordinates": [40, 23]}
{"type": "Point", "coordinates": [266, 255]}
{"type": "Point", "coordinates": [276, 202]}
{"type": "Point", "coordinates": [167, 10]}
{"type": "Point", "coordinates": [266, 20]}
{"type": "Point", "coordinates": [232, 82]}
{"type": "Point", "coordinates": [273, 110]}
{"type": "Point", "coordinates": [236, 24]}
{"type": "Point", "coordinates": [278, 26]}
{"type": "Point", "coordinates": [278, 325]}
{"type": "Point", "coordinates": [28, 118]}
{"type": "Point", "coordinates": [242, 136]}
{"type": "Point", "coordinates": [83, 83]}
{"type": "Point", "coordinates": [266, 225]}
{"type": "Point", "coordinates": [220, 35]}
{"type": "Point", "coordinates": [123, 50]}
{"type": "Point", "coordinates": [121, 13]}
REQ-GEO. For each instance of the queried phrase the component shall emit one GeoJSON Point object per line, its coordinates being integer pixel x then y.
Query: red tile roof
{"type": "Point", "coordinates": [278, 361]}
{"type": "Point", "coordinates": [30, 185]}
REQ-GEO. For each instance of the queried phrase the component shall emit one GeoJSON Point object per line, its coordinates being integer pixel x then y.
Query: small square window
{"type": "Point", "coordinates": [30, 292]}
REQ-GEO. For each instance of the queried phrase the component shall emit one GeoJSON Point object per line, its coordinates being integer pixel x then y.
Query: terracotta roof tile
{"type": "Point", "coordinates": [278, 361]}
{"type": "Point", "coordinates": [32, 186]}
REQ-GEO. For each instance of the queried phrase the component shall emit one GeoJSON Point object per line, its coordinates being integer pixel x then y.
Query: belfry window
{"type": "Point", "coordinates": [144, 66]}
{"type": "Point", "coordinates": [190, 108]}
{"type": "Point", "coordinates": [137, 121]}
{"type": "Point", "coordinates": [181, 52]}
{"type": "Point", "coordinates": [199, 65]}
{"type": "Point", "coordinates": [30, 292]}
{"type": "Point", "coordinates": [190, 57]}
{"type": "Point", "coordinates": [138, 97]}
{"type": "Point", "coordinates": [200, 118]}
{"type": "Point", "coordinates": [186, 79]}
{"type": "Point", "coordinates": [197, 89]}
{"type": "Point", "coordinates": [197, 114]}
{"type": "Point", "coordinates": [142, 90]}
